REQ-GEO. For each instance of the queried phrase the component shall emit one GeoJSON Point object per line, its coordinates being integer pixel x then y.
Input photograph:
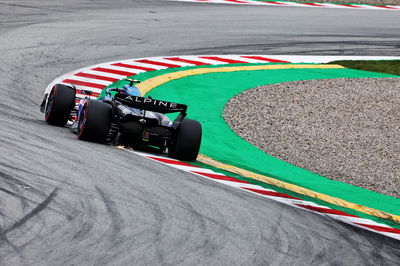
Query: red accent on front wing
{"type": "Point", "coordinates": [94, 94]}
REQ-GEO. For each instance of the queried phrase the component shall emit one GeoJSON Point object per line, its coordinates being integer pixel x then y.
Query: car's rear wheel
{"type": "Point", "coordinates": [187, 142]}
{"type": "Point", "coordinates": [94, 121]}
{"type": "Point", "coordinates": [59, 104]}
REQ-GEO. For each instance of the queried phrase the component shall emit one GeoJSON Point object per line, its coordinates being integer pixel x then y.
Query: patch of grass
{"type": "Point", "coordinates": [381, 66]}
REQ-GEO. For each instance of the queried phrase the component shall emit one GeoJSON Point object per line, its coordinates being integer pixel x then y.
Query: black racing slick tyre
{"type": "Point", "coordinates": [187, 143]}
{"type": "Point", "coordinates": [59, 105]}
{"type": "Point", "coordinates": [94, 121]}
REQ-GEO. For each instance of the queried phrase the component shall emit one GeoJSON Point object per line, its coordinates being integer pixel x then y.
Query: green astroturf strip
{"type": "Point", "coordinates": [382, 66]}
{"type": "Point", "coordinates": [206, 96]}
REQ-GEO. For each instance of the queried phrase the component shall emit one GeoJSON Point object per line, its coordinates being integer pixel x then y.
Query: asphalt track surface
{"type": "Point", "coordinates": [64, 201]}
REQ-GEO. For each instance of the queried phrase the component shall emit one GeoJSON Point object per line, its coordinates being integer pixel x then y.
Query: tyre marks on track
{"type": "Point", "coordinates": [33, 212]}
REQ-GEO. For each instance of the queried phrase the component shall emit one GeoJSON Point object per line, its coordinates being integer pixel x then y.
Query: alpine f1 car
{"type": "Point", "coordinates": [120, 116]}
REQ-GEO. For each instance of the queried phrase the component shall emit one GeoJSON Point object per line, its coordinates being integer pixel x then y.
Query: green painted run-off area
{"type": "Point", "coordinates": [206, 96]}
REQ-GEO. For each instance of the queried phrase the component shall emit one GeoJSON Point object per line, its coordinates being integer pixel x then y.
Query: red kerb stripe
{"type": "Point", "coordinates": [265, 59]}
{"type": "Point", "coordinates": [169, 161]}
{"type": "Point", "coordinates": [114, 71]}
{"type": "Point", "coordinates": [325, 210]}
{"type": "Point", "coordinates": [236, 1]}
{"type": "Point", "coordinates": [381, 228]}
{"type": "Point", "coordinates": [157, 63]}
{"type": "Point", "coordinates": [271, 2]}
{"type": "Point", "coordinates": [133, 66]}
{"type": "Point", "coordinates": [270, 193]}
{"type": "Point", "coordinates": [92, 76]}
{"type": "Point", "coordinates": [310, 4]}
{"type": "Point", "coordinates": [348, 5]}
{"type": "Point", "coordinates": [388, 7]}
{"type": "Point", "coordinates": [177, 59]}
{"type": "Point", "coordinates": [220, 177]}
{"type": "Point", "coordinates": [84, 83]}
{"type": "Point", "coordinates": [225, 60]}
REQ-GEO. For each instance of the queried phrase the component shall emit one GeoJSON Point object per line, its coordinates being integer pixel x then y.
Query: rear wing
{"type": "Point", "coordinates": [150, 104]}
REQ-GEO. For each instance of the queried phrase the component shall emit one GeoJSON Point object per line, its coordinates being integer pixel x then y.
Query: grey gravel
{"type": "Point", "coordinates": [344, 129]}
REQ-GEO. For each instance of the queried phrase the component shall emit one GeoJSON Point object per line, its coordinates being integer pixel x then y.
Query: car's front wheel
{"type": "Point", "coordinates": [59, 104]}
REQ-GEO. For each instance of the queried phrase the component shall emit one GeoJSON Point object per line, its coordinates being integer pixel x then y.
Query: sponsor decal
{"type": "Point", "coordinates": [154, 102]}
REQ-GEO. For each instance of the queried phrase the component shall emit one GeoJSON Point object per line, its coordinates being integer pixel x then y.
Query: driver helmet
{"type": "Point", "coordinates": [131, 90]}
